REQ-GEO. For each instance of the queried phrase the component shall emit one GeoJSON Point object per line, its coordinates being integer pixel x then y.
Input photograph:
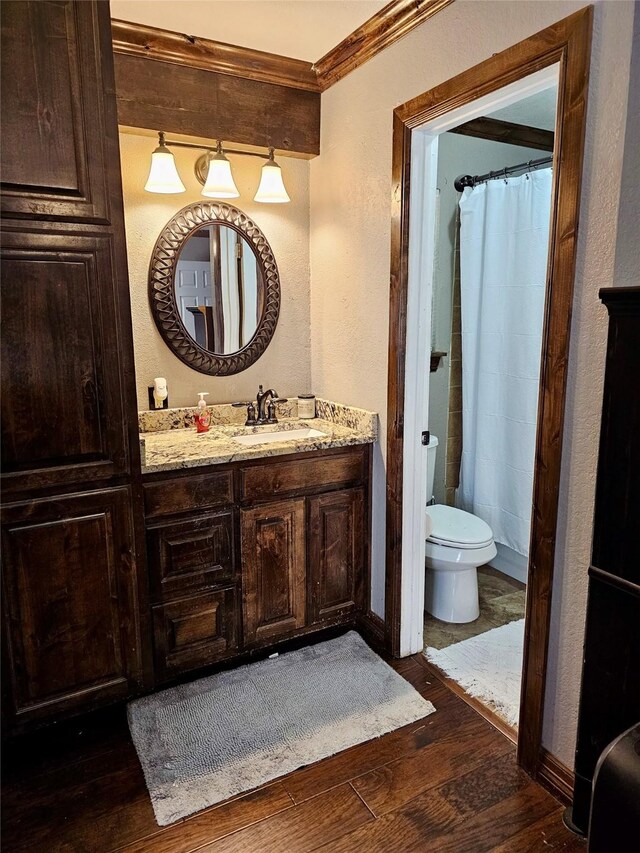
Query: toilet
{"type": "Point", "coordinates": [457, 543]}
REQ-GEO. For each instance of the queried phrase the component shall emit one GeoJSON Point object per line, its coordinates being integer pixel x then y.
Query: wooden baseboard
{"type": "Point", "coordinates": [372, 628]}
{"type": "Point", "coordinates": [556, 777]}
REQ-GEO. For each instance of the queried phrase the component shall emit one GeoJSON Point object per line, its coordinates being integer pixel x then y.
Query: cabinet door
{"type": "Point", "coordinates": [54, 87]}
{"type": "Point", "coordinates": [273, 565]}
{"type": "Point", "coordinates": [62, 403]}
{"type": "Point", "coordinates": [71, 602]}
{"type": "Point", "coordinates": [336, 553]}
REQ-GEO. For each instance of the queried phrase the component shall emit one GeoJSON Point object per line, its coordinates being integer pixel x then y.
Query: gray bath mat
{"type": "Point", "coordinates": [206, 741]}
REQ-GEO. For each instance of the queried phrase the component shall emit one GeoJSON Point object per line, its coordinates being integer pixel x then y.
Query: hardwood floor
{"type": "Point", "coordinates": [447, 783]}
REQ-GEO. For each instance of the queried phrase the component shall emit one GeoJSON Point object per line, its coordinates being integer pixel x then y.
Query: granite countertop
{"type": "Point", "coordinates": [181, 446]}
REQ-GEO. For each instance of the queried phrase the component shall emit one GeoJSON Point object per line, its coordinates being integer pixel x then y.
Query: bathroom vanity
{"type": "Point", "coordinates": [124, 570]}
{"type": "Point", "coordinates": [251, 544]}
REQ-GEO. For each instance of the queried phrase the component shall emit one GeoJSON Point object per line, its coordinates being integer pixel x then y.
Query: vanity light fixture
{"type": "Point", "coordinates": [213, 170]}
{"type": "Point", "coordinates": [163, 175]}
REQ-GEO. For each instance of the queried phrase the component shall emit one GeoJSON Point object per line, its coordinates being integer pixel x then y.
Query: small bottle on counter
{"type": "Point", "coordinates": [203, 417]}
{"type": "Point", "coordinates": [306, 405]}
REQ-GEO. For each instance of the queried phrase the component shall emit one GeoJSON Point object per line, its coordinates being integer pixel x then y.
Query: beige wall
{"type": "Point", "coordinates": [286, 364]}
{"type": "Point", "coordinates": [350, 232]}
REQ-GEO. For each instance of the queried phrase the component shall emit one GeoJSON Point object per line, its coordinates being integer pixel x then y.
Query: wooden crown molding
{"type": "Point", "coordinates": [391, 23]}
{"type": "Point", "coordinates": [166, 46]}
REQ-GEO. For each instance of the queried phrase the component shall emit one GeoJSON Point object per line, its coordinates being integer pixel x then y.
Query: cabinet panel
{"type": "Point", "coordinates": [336, 553]}
{"type": "Point", "coordinates": [62, 409]}
{"type": "Point", "coordinates": [263, 482]}
{"type": "Point", "coordinates": [273, 564]}
{"type": "Point", "coordinates": [70, 601]}
{"type": "Point", "coordinates": [188, 555]}
{"type": "Point", "coordinates": [53, 151]}
{"type": "Point", "coordinates": [193, 632]}
{"type": "Point", "coordinates": [200, 491]}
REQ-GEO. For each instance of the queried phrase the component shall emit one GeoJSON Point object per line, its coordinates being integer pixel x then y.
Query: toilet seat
{"type": "Point", "coordinates": [455, 528]}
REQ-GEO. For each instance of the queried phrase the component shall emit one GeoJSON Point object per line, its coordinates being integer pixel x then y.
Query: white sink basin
{"type": "Point", "coordinates": [279, 435]}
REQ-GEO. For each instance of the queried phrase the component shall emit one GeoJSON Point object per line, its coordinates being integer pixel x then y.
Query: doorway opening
{"type": "Point", "coordinates": [487, 280]}
{"type": "Point", "coordinates": [558, 56]}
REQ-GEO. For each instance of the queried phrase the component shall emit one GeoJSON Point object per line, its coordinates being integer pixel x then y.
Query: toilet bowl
{"type": "Point", "coordinates": [457, 543]}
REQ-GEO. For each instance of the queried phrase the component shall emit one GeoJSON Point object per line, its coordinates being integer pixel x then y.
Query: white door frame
{"type": "Point", "coordinates": [424, 172]}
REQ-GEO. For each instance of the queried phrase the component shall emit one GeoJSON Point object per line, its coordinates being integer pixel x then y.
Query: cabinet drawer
{"type": "Point", "coordinates": [194, 632]}
{"type": "Point", "coordinates": [188, 493]}
{"type": "Point", "coordinates": [190, 555]}
{"type": "Point", "coordinates": [280, 478]}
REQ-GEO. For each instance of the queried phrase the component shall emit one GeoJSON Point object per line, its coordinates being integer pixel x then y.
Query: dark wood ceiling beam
{"type": "Point", "coordinates": [391, 23]}
{"type": "Point", "coordinates": [166, 46]}
{"type": "Point", "coordinates": [507, 132]}
{"type": "Point", "coordinates": [193, 102]}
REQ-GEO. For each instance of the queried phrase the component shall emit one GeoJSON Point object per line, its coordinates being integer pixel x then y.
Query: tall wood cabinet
{"type": "Point", "coordinates": [72, 590]}
{"type": "Point", "coordinates": [610, 693]}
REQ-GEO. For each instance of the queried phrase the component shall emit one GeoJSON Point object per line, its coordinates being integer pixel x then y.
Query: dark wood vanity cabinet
{"type": "Point", "coordinates": [246, 555]}
{"type": "Point", "coordinates": [74, 598]}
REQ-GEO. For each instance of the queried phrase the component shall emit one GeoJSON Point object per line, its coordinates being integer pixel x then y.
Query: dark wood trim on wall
{"type": "Point", "coordinates": [391, 23]}
{"type": "Point", "coordinates": [497, 130]}
{"type": "Point", "coordinates": [567, 42]}
{"type": "Point", "coordinates": [140, 40]}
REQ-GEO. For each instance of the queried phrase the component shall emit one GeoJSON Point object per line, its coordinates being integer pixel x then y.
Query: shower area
{"type": "Point", "coordinates": [490, 267]}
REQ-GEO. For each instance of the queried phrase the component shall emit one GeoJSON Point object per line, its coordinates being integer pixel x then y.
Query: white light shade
{"type": "Point", "coordinates": [163, 175]}
{"type": "Point", "coordinates": [271, 189]}
{"type": "Point", "coordinates": [220, 183]}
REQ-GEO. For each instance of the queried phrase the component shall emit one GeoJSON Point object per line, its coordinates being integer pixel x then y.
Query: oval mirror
{"type": "Point", "coordinates": [214, 288]}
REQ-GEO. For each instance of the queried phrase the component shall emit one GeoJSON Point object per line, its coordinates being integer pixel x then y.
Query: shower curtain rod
{"type": "Point", "coordinates": [472, 180]}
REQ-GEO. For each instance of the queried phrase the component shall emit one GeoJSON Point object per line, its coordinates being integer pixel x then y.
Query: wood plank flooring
{"type": "Point", "coordinates": [446, 783]}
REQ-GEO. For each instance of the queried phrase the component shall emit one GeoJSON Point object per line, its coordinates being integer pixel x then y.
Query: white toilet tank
{"type": "Point", "coordinates": [431, 465]}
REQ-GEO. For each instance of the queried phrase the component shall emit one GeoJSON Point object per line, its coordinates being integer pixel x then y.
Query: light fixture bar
{"type": "Point", "coordinates": [214, 148]}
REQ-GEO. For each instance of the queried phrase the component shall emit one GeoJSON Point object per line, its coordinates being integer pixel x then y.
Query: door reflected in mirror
{"type": "Point", "coordinates": [219, 289]}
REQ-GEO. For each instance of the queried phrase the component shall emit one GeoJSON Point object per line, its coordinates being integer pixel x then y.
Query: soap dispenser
{"type": "Point", "coordinates": [203, 417]}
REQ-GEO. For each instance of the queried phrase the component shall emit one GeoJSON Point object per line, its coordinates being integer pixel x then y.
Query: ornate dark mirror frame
{"type": "Point", "coordinates": [162, 297]}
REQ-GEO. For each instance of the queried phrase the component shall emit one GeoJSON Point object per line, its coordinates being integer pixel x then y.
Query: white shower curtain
{"type": "Point", "coordinates": [504, 236]}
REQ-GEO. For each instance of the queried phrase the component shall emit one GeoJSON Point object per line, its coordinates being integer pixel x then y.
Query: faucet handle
{"type": "Point", "coordinates": [251, 412]}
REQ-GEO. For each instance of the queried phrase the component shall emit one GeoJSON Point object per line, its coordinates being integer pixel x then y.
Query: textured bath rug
{"type": "Point", "coordinates": [488, 666]}
{"type": "Point", "coordinates": [203, 742]}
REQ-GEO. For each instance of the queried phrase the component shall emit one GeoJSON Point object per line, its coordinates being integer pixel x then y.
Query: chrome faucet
{"type": "Point", "coordinates": [264, 411]}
